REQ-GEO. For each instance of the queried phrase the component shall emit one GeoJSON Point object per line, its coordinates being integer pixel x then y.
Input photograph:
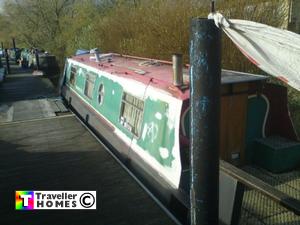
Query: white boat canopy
{"type": "Point", "coordinates": [273, 50]}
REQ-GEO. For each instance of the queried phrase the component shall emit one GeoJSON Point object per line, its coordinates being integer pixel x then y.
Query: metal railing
{"type": "Point", "coordinates": [260, 209]}
{"type": "Point", "coordinates": [268, 199]}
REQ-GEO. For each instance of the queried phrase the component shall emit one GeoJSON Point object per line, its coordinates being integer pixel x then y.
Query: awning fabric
{"type": "Point", "coordinates": [273, 50]}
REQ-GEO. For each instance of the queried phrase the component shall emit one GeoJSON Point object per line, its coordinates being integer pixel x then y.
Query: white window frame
{"type": "Point", "coordinates": [72, 79]}
{"type": "Point", "coordinates": [136, 109]}
{"type": "Point", "coordinates": [89, 80]}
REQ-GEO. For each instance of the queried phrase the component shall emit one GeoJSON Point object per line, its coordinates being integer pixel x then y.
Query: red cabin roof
{"type": "Point", "coordinates": [156, 73]}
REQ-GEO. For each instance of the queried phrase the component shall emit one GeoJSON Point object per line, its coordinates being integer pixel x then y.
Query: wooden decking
{"type": "Point", "coordinates": [43, 147]}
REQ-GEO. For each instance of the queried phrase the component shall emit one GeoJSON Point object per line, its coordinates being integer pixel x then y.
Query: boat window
{"type": "Point", "coordinates": [101, 94]}
{"type": "Point", "coordinates": [89, 85]}
{"type": "Point", "coordinates": [73, 75]}
{"type": "Point", "coordinates": [132, 113]}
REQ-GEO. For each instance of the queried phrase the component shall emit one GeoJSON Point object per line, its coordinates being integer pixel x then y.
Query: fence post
{"type": "Point", "coordinates": [14, 43]}
{"type": "Point", "coordinates": [37, 59]}
{"type": "Point", "coordinates": [205, 85]}
{"type": "Point", "coordinates": [7, 62]}
{"type": "Point", "coordinates": [3, 51]}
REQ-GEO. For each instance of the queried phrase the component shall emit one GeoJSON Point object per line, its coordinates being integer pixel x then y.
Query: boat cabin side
{"type": "Point", "coordinates": [141, 121]}
{"type": "Point", "coordinates": [147, 121]}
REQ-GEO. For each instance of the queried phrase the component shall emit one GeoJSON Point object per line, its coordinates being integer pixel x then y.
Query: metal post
{"type": "Point", "coordinates": [212, 6]}
{"type": "Point", "coordinates": [7, 62]}
{"type": "Point", "coordinates": [205, 85]}
{"type": "Point", "coordinates": [3, 53]}
{"type": "Point", "coordinates": [37, 59]}
{"type": "Point", "coordinates": [14, 43]}
{"type": "Point", "coordinates": [177, 69]}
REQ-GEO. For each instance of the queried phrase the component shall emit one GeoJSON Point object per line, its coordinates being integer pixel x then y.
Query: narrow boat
{"type": "Point", "coordinates": [135, 105]}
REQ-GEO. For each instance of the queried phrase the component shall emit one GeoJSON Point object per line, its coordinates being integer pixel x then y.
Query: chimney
{"type": "Point", "coordinates": [177, 70]}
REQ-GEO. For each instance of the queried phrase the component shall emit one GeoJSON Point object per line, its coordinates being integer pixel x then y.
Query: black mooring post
{"type": "Point", "coordinates": [37, 59]}
{"type": "Point", "coordinates": [7, 62]}
{"type": "Point", "coordinates": [14, 43]}
{"type": "Point", "coordinates": [2, 46]}
{"type": "Point", "coordinates": [205, 84]}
